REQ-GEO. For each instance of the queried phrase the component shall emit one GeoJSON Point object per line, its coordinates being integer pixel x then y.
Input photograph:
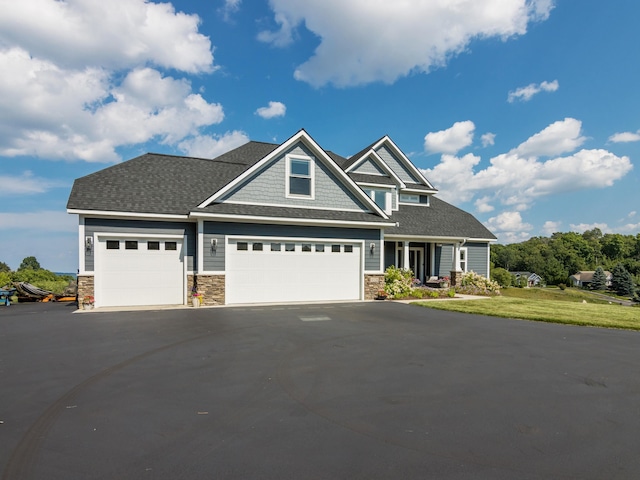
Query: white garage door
{"type": "Point", "coordinates": [135, 271]}
{"type": "Point", "coordinates": [259, 271]}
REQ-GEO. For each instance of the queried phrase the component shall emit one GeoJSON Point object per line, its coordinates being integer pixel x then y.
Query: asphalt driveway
{"type": "Point", "coordinates": [358, 391]}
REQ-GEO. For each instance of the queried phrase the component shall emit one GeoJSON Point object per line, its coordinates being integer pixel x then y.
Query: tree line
{"type": "Point", "coordinates": [561, 255]}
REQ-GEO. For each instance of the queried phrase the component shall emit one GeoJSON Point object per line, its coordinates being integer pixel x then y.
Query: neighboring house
{"type": "Point", "coordinates": [584, 279]}
{"type": "Point", "coordinates": [266, 223]}
{"type": "Point", "coordinates": [531, 279]}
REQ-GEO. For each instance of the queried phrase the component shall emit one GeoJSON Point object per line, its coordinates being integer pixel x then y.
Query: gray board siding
{"type": "Point", "coordinates": [140, 227]}
{"type": "Point", "coordinates": [476, 258]}
{"type": "Point", "coordinates": [369, 167]}
{"type": "Point", "coordinates": [398, 167]}
{"type": "Point", "coordinates": [268, 186]}
{"type": "Point", "coordinates": [213, 259]}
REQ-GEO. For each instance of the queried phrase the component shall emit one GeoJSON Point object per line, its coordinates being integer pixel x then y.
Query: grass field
{"type": "Point", "coordinates": [548, 305]}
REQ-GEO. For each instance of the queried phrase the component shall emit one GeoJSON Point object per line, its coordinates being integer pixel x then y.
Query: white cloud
{"type": "Point", "coordinates": [559, 137]}
{"type": "Point", "coordinates": [551, 227]}
{"type": "Point", "coordinates": [632, 214]}
{"type": "Point", "coordinates": [275, 109]}
{"type": "Point", "coordinates": [488, 139]}
{"type": "Point", "coordinates": [78, 82]}
{"type": "Point", "coordinates": [516, 181]}
{"type": "Point", "coordinates": [625, 137]}
{"type": "Point", "coordinates": [26, 184]}
{"type": "Point", "coordinates": [206, 146]}
{"type": "Point", "coordinates": [482, 205]}
{"type": "Point", "coordinates": [363, 41]}
{"type": "Point", "coordinates": [583, 227]}
{"type": "Point", "coordinates": [229, 8]}
{"type": "Point", "coordinates": [509, 227]}
{"type": "Point", "coordinates": [116, 34]}
{"type": "Point", "coordinates": [525, 94]}
{"type": "Point", "coordinates": [451, 140]}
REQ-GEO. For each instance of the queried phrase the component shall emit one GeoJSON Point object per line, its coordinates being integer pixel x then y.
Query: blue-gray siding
{"type": "Point", "coordinates": [369, 167]}
{"type": "Point", "coordinates": [141, 227]}
{"type": "Point", "coordinates": [476, 258]}
{"type": "Point", "coordinates": [268, 186]}
{"type": "Point", "coordinates": [398, 167]}
{"type": "Point", "coordinates": [213, 259]}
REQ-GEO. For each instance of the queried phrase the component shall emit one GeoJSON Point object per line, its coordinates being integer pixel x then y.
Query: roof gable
{"type": "Point", "coordinates": [265, 181]}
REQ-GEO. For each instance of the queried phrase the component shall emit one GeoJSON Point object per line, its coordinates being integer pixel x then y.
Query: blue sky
{"type": "Point", "coordinates": [524, 113]}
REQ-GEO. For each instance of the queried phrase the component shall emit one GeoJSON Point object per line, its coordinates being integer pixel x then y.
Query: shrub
{"type": "Point", "coordinates": [501, 276]}
{"type": "Point", "coordinates": [417, 292]}
{"type": "Point", "coordinates": [451, 293]}
{"type": "Point", "coordinates": [398, 281]}
{"type": "Point", "coordinates": [474, 284]}
{"type": "Point", "coordinates": [562, 286]}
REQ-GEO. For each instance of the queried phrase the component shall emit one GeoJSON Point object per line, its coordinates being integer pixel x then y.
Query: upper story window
{"type": "Point", "coordinates": [414, 198]}
{"type": "Point", "coordinates": [381, 198]}
{"type": "Point", "coordinates": [299, 176]}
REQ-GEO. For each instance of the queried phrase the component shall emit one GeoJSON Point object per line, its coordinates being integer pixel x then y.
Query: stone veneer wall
{"type": "Point", "coordinates": [85, 287]}
{"type": "Point", "coordinates": [211, 287]}
{"type": "Point", "coordinates": [372, 285]}
{"type": "Point", "coordinates": [456, 278]}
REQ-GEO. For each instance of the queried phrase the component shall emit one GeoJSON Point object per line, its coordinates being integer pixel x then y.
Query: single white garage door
{"type": "Point", "coordinates": [136, 271]}
{"type": "Point", "coordinates": [259, 271]}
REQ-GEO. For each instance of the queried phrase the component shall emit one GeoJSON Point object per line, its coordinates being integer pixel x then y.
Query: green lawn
{"type": "Point", "coordinates": [547, 305]}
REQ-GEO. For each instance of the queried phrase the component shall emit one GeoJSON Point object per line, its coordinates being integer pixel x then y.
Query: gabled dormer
{"type": "Point", "coordinates": [296, 174]}
{"type": "Point", "coordinates": [389, 177]}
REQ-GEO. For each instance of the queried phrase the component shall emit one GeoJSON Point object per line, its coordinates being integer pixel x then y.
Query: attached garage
{"type": "Point", "coordinates": [291, 270]}
{"type": "Point", "coordinates": [139, 271]}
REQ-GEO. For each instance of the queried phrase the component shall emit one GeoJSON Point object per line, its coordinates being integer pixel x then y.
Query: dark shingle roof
{"type": "Point", "coordinates": [365, 178]}
{"type": "Point", "coordinates": [289, 212]}
{"type": "Point", "coordinates": [440, 219]}
{"type": "Point", "coordinates": [419, 186]}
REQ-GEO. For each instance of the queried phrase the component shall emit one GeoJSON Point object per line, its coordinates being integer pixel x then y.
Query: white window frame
{"type": "Point", "coordinates": [464, 259]}
{"type": "Point", "coordinates": [289, 175]}
{"type": "Point", "coordinates": [417, 198]}
{"type": "Point", "coordinates": [371, 192]}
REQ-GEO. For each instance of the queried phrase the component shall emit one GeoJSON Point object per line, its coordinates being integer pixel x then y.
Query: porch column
{"type": "Point", "coordinates": [456, 271]}
{"type": "Point", "coordinates": [405, 256]}
{"type": "Point", "coordinates": [200, 247]}
{"type": "Point", "coordinates": [432, 259]}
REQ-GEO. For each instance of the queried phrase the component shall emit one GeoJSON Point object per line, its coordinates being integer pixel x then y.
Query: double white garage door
{"type": "Point", "coordinates": [273, 270]}
{"type": "Point", "coordinates": [139, 271]}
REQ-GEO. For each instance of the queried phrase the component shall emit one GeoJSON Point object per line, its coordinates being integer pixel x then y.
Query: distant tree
{"type": "Point", "coordinates": [29, 263]}
{"type": "Point", "coordinates": [622, 281]}
{"type": "Point", "coordinates": [501, 276]}
{"type": "Point", "coordinates": [4, 267]}
{"type": "Point", "coordinates": [599, 281]}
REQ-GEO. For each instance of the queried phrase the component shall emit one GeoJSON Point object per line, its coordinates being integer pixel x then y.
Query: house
{"type": "Point", "coordinates": [529, 279]}
{"type": "Point", "coordinates": [584, 279]}
{"type": "Point", "coordinates": [266, 223]}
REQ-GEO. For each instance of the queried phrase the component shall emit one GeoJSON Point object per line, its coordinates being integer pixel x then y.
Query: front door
{"type": "Point", "coordinates": [416, 262]}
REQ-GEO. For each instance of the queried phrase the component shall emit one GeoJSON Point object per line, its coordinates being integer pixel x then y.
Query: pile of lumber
{"type": "Point", "coordinates": [31, 293]}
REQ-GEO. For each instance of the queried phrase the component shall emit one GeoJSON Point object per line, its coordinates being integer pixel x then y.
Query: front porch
{"type": "Point", "coordinates": [428, 259]}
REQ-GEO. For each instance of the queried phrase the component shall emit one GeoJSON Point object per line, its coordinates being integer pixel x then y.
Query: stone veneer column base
{"type": "Point", "coordinates": [456, 278]}
{"type": "Point", "coordinates": [372, 285]}
{"type": "Point", "coordinates": [86, 286]}
{"type": "Point", "coordinates": [210, 286]}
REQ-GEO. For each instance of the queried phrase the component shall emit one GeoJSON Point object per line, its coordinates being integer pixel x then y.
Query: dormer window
{"type": "Point", "coordinates": [414, 198]}
{"type": "Point", "coordinates": [299, 176]}
{"type": "Point", "coordinates": [382, 198]}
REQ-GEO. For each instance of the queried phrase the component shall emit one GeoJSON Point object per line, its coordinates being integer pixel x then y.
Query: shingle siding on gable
{"type": "Point", "coordinates": [141, 227]}
{"type": "Point", "coordinates": [398, 168]}
{"type": "Point", "coordinates": [268, 187]}
{"type": "Point", "coordinates": [214, 260]}
{"type": "Point", "coordinates": [369, 167]}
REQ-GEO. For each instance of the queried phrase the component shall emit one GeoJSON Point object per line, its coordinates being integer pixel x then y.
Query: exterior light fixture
{"type": "Point", "coordinates": [214, 244]}
{"type": "Point", "coordinates": [372, 247]}
{"type": "Point", "coordinates": [88, 244]}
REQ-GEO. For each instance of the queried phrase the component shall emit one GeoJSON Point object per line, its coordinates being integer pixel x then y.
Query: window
{"type": "Point", "coordinates": [348, 248]}
{"type": "Point", "coordinates": [407, 198]}
{"type": "Point", "coordinates": [276, 247]}
{"type": "Point", "coordinates": [463, 259]}
{"type": "Point", "coordinates": [289, 247]}
{"type": "Point", "coordinates": [242, 246]}
{"type": "Point", "coordinates": [153, 245]}
{"type": "Point", "coordinates": [319, 247]}
{"type": "Point", "coordinates": [257, 246]}
{"type": "Point", "coordinates": [379, 197]}
{"type": "Point", "coordinates": [131, 245]}
{"type": "Point", "coordinates": [335, 248]}
{"type": "Point", "coordinates": [113, 244]}
{"type": "Point", "coordinates": [306, 247]}
{"type": "Point", "coordinates": [300, 177]}
{"type": "Point", "coordinates": [170, 245]}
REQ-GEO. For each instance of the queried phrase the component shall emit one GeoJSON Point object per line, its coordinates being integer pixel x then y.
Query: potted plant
{"type": "Point", "coordinates": [196, 299]}
{"type": "Point", "coordinates": [382, 295]}
{"type": "Point", "coordinates": [444, 282]}
{"type": "Point", "coordinates": [87, 302]}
